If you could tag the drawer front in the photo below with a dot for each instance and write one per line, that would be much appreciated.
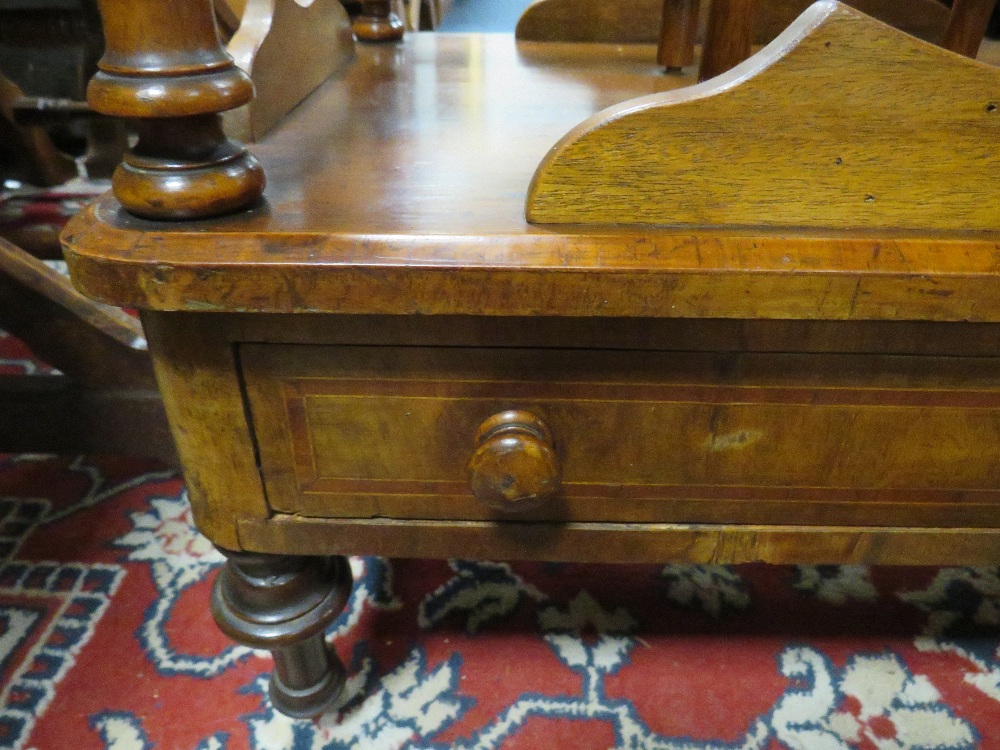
(639, 436)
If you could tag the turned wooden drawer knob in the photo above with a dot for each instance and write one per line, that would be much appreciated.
(515, 466)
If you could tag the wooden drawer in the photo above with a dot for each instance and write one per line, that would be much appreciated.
(387, 432)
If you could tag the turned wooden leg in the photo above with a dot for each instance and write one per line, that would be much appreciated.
(378, 22)
(284, 603)
(678, 30)
(967, 26)
(729, 36)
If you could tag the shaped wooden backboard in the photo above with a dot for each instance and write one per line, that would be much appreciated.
(228, 14)
(288, 48)
(841, 122)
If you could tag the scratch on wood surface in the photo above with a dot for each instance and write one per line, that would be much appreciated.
(854, 296)
(733, 440)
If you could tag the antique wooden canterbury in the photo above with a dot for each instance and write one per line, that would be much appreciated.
(540, 301)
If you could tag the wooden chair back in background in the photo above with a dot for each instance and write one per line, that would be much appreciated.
(729, 29)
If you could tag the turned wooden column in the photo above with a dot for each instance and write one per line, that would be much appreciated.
(378, 22)
(728, 37)
(284, 603)
(678, 31)
(164, 70)
(967, 26)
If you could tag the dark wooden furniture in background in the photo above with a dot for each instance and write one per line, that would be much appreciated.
(383, 351)
(427, 15)
(678, 34)
(378, 22)
(728, 36)
(732, 27)
(26, 151)
(106, 400)
(967, 24)
(637, 21)
(48, 52)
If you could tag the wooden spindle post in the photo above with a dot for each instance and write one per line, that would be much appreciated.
(284, 603)
(378, 22)
(729, 36)
(164, 69)
(967, 26)
(677, 34)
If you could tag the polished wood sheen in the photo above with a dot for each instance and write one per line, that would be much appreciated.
(678, 31)
(378, 22)
(172, 84)
(839, 433)
(285, 604)
(728, 36)
(641, 436)
(432, 219)
(514, 465)
(847, 91)
(386, 357)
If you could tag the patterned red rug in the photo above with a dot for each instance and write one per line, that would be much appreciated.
(106, 642)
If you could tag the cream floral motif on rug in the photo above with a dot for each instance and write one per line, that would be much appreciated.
(105, 637)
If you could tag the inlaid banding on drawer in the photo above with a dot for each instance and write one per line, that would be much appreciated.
(659, 492)
(641, 436)
(298, 388)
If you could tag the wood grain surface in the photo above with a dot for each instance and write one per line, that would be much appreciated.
(210, 364)
(678, 33)
(729, 36)
(641, 437)
(165, 70)
(415, 203)
(646, 543)
(399, 190)
(925, 19)
(916, 338)
(199, 381)
(514, 465)
(840, 123)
